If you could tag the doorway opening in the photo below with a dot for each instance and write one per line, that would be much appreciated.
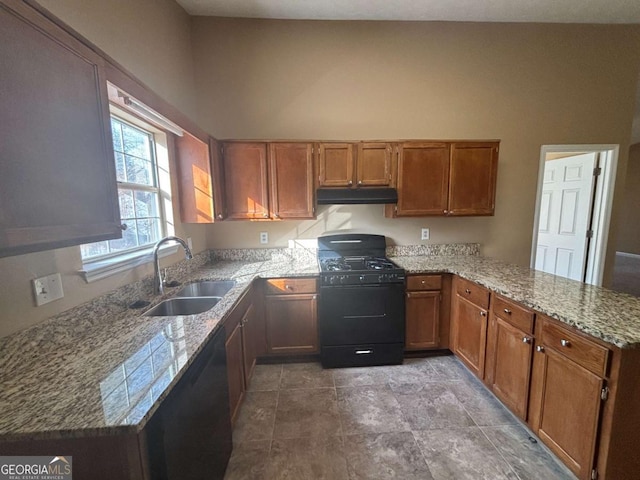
(573, 210)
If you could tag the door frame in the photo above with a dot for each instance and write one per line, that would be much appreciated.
(602, 204)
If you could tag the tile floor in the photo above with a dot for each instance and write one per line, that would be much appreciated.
(426, 419)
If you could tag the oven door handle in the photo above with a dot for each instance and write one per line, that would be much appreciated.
(365, 316)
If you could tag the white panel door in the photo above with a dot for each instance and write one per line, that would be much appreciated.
(565, 209)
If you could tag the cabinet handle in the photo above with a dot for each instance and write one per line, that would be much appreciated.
(364, 352)
(220, 216)
(540, 349)
(123, 227)
(277, 215)
(359, 182)
(450, 212)
(483, 314)
(423, 282)
(288, 287)
(467, 291)
(266, 215)
(565, 343)
(507, 311)
(526, 339)
(445, 211)
(408, 295)
(350, 182)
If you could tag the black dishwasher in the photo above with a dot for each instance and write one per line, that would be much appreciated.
(189, 436)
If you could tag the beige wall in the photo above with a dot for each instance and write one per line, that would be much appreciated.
(629, 225)
(152, 39)
(526, 84)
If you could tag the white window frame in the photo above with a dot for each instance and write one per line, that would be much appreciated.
(102, 266)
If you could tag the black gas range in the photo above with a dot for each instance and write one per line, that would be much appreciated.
(361, 307)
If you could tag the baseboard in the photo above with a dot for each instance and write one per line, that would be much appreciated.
(630, 255)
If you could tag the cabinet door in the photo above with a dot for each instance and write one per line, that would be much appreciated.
(250, 332)
(235, 370)
(423, 179)
(291, 324)
(217, 171)
(336, 164)
(509, 356)
(195, 180)
(472, 185)
(291, 180)
(245, 171)
(569, 410)
(422, 320)
(58, 181)
(373, 167)
(470, 334)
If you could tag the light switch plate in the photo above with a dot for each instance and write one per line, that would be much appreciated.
(425, 234)
(47, 289)
(264, 238)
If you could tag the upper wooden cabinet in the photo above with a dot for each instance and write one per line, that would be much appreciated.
(336, 164)
(199, 179)
(443, 178)
(245, 173)
(472, 185)
(423, 178)
(58, 181)
(291, 180)
(364, 164)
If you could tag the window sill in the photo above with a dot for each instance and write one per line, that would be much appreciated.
(92, 271)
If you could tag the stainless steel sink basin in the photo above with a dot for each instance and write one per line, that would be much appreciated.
(207, 288)
(183, 306)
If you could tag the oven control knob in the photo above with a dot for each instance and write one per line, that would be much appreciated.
(362, 278)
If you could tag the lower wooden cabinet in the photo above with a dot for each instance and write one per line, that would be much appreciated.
(291, 319)
(509, 354)
(567, 395)
(469, 320)
(422, 312)
(243, 331)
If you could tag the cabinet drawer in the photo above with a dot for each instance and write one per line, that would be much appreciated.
(517, 315)
(472, 292)
(424, 282)
(584, 352)
(284, 286)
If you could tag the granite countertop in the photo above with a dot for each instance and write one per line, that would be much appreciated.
(611, 316)
(102, 369)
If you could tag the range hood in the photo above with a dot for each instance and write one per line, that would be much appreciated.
(351, 196)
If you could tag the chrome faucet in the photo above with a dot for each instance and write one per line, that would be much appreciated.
(158, 281)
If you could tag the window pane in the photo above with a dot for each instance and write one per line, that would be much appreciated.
(148, 231)
(121, 174)
(146, 204)
(125, 198)
(93, 249)
(116, 133)
(136, 142)
(139, 171)
(129, 238)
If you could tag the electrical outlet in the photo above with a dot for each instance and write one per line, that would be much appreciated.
(264, 238)
(425, 234)
(47, 289)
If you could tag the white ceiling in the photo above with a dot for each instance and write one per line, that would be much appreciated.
(553, 11)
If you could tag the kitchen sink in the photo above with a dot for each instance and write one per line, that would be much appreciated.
(206, 288)
(183, 306)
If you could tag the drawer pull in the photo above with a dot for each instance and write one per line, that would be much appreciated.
(288, 287)
(526, 339)
(540, 348)
(507, 311)
(565, 343)
(422, 282)
(483, 314)
(364, 352)
(467, 291)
